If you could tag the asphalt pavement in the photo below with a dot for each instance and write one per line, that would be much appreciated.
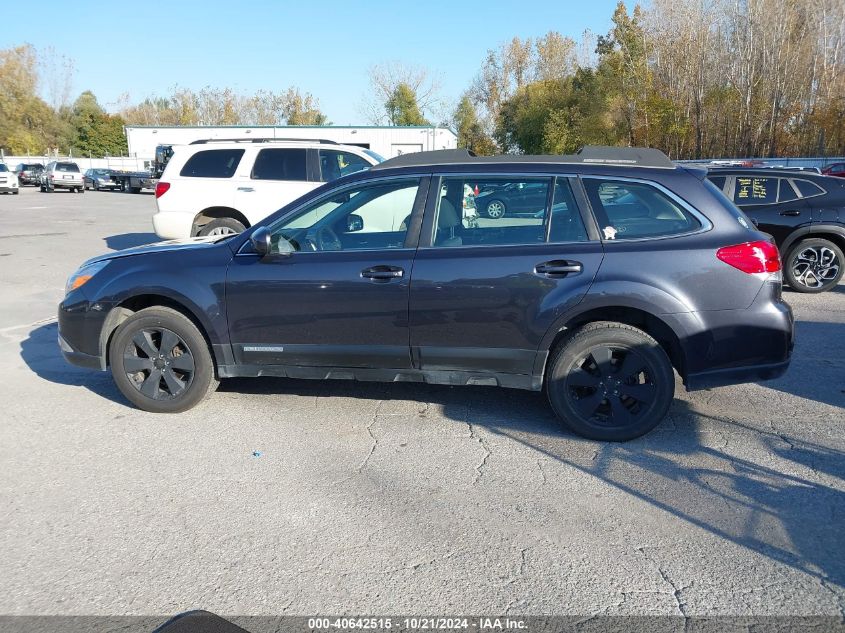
(300, 497)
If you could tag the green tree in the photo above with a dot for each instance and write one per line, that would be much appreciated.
(469, 129)
(95, 133)
(402, 108)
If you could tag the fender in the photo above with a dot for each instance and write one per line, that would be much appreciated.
(813, 229)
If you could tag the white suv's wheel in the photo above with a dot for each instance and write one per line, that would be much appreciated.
(222, 226)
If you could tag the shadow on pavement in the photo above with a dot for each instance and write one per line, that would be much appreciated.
(130, 240)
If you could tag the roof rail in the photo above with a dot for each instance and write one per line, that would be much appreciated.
(590, 154)
(323, 141)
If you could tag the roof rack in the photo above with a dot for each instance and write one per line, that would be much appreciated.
(204, 141)
(589, 155)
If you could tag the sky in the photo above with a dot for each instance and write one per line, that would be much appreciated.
(324, 48)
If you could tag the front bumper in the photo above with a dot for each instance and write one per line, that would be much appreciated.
(80, 329)
(8, 188)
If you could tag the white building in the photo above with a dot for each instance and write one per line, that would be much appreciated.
(388, 141)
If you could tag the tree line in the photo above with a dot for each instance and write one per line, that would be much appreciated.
(695, 78)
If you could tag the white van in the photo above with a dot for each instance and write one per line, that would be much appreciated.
(217, 187)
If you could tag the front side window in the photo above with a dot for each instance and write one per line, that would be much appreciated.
(491, 211)
(367, 217)
(335, 163)
(212, 163)
(631, 210)
(755, 190)
(280, 163)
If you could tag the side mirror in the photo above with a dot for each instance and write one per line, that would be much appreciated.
(260, 239)
(354, 223)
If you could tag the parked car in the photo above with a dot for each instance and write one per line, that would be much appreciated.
(99, 179)
(29, 173)
(62, 175)
(510, 198)
(8, 180)
(224, 186)
(803, 211)
(836, 169)
(376, 276)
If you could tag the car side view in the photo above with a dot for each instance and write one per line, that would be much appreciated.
(803, 211)
(626, 270)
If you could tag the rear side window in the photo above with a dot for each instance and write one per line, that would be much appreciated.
(785, 191)
(68, 167)
(631, 210)
(335, 163)
(755, 190)
(479, 211)
(808, 188)
(212, 163)
(280, 164)
(565, 219)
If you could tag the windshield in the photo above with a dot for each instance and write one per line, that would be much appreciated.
(378, 157)
(101, 172)
(3, 168)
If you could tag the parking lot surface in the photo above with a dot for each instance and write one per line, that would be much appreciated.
(299, 497)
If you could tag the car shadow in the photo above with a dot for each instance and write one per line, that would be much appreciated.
(130, 240)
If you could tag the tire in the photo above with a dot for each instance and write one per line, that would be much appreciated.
(814, 265)
(181, 384)
(43, 190)
(609, 381)
(495, 209)
(80, 189)
(222, 226)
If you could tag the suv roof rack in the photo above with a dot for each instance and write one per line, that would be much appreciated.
(590, 155)
(203, 141)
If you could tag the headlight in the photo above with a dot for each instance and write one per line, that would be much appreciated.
(84, 275)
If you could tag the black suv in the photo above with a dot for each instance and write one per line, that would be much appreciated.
(29, 173)
(803, 211)
(630, 266)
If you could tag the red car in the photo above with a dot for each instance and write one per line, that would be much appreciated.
(836, 169)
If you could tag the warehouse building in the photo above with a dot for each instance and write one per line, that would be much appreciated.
(389, 141)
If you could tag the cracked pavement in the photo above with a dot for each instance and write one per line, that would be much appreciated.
(398, 498)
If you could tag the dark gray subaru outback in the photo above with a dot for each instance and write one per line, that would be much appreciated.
(594, 276)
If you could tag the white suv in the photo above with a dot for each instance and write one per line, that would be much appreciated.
(217, 187)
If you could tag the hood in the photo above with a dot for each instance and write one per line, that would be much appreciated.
(189, 243)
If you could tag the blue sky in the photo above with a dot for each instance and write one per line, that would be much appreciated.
(324, 48)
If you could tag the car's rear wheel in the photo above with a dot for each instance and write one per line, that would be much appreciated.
(814, 265)
(495, 209)
(222, 226)
(161, 362)
(610, 381)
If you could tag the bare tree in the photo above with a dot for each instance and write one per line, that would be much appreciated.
(384, 81)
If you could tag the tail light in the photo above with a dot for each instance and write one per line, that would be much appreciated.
(161, 188)
(752, 257)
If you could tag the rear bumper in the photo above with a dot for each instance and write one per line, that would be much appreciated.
(171, 225)
(736, 375)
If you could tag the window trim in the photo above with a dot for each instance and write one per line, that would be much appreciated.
(427, 233)
(706, 224)
(411, 240)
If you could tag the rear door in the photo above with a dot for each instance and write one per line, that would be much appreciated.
(203, 181)
(484, 290)
(269, 178)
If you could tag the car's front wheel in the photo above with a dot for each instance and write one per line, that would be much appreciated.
(609, 381)
(814, 265)
(161, 362)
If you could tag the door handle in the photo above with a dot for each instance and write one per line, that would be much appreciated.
(558, 268)
(382, 273)
(790, 213)
(247, 189)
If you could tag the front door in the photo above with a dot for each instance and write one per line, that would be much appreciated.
(334, 290)
(486, 290)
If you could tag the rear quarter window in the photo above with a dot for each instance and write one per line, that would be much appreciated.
(212, 163)
(807, 188)
(634, 210)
